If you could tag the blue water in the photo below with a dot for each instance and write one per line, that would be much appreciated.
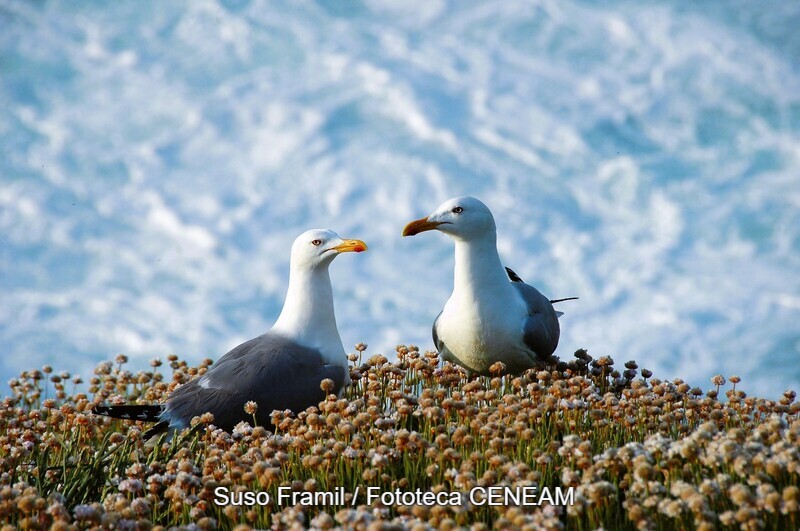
(158, 158)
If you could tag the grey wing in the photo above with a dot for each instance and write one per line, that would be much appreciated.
(272, 371)
(439, 344)
(540, 330)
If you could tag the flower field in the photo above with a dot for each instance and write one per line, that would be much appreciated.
(640, 453)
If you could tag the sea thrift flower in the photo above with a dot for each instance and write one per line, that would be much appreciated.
(327, 385)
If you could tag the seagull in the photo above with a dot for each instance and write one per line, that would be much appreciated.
(281, 369)
(491, 315)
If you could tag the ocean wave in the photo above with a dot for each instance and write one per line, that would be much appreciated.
(158, 160)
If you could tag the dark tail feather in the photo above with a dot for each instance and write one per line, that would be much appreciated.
(562, 300)
(158, 429)
(131, 412)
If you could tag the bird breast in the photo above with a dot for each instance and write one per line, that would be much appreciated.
(481, 332)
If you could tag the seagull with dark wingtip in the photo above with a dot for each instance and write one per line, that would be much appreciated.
(492, 315)
(281, 369)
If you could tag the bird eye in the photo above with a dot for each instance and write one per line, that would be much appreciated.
(316, 242)
(457, 210)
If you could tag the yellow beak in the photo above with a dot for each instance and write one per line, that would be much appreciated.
(420, 225)
(350, 246)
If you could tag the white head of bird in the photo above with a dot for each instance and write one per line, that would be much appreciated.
(307, 316)
(462, 218)
(318, 247)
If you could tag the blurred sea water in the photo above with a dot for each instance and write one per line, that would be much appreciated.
(158, 158)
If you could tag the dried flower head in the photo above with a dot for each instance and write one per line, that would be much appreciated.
(250, 407)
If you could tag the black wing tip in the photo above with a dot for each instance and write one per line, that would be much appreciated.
(553, 301)
(109, 411)
(158, 429)
(512, 276)
(146, 413)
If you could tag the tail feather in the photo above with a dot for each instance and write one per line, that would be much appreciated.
(145, 413)
(513, 277)
(156, 430)
(553, 301)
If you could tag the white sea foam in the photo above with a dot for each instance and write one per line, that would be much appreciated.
(158, 162)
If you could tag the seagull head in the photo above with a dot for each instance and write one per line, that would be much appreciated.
(463, 218)
(318, 247)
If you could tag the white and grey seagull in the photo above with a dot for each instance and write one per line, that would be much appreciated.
(281, 369)
(491, 315)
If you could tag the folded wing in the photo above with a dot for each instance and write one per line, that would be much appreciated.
(273, 371)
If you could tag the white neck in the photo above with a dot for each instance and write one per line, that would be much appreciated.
(478, 269)
(307, 316)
